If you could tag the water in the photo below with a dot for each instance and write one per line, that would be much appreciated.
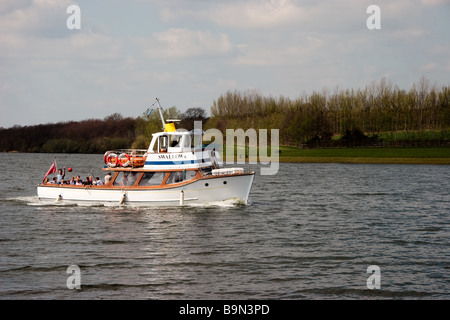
(310, 232)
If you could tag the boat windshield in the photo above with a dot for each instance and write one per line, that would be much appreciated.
(152, 178)
(180, 176)
(125, 179)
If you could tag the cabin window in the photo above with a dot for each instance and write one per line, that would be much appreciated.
(175, 141)
(187, 142)
(180, 176)
(154, 146)
(163, 143)
(152, 178)
(196, 140)
(125, 179)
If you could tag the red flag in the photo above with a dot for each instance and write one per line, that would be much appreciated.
(51, 170)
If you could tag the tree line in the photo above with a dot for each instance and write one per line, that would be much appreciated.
(87, 136)
(94, 135)
(362, 115)
(381, 112)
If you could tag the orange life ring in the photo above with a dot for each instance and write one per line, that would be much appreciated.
(105, 157)
(109, 158)
(123, 164)
(137, 161)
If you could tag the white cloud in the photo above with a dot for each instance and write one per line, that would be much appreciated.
(182, 43)
(41, 18)
(11, 5)
(435, 2)
(429, 66)
(95, 47)
(36, 31)
(409, 34)
(280, 52)
(250, 14)
(257, 14)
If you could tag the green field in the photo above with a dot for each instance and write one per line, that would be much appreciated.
(366, 155)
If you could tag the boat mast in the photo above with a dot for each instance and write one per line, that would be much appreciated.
(160, 113)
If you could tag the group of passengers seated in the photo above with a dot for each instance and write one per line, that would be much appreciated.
(77, 181)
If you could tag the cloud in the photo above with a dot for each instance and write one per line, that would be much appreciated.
(435, 2)
(38, 18)
(250, 14)
(7, 6)
(266, 15)
(281, 51)
(256, 14)
(36, 30)
(183, 43)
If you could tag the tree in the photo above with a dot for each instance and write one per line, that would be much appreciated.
(191, 115)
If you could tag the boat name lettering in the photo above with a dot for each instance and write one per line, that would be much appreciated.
(171, 156)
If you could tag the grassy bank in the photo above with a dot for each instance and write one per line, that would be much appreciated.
(366, 155)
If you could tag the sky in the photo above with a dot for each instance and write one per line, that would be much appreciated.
(189, 52)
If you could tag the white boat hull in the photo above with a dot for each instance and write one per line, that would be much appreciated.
(234, 188)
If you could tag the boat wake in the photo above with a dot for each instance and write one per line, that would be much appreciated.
(35, 201)
(235, 202)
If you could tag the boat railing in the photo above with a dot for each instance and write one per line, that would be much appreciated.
(131, 152)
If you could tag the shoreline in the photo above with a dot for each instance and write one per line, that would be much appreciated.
(365, 160)
(365, 155)
(425, 156)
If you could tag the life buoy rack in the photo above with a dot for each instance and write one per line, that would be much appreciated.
(105, 157)
(124, 159)
(120, 162)
(109, 158)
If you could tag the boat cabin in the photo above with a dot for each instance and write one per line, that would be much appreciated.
(171, 149)
(175, 142)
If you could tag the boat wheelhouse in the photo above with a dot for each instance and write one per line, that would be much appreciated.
(176, 169)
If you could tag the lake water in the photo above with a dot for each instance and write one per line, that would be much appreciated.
(310, 232)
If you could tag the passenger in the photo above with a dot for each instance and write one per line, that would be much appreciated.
(108, 177)
(78, 182)
(131, 179)
(60, 175)
(54, 181)
(87, 182)
(175, 143)
(62, 181)
(72, 181)
(98, 182)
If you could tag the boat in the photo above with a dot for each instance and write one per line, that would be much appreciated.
(176, 169)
